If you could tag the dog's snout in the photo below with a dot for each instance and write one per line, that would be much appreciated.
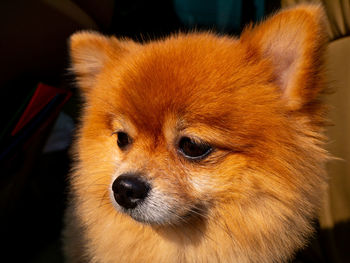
(129, 190)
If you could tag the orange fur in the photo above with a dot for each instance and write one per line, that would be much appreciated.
(254, 99)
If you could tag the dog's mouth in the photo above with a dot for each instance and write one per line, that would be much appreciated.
(166, 217)
(198, 212)
(161, 209)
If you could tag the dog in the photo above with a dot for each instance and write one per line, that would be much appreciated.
(199, 147)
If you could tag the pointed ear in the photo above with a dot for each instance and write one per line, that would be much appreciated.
(294, 42)
(90, 51)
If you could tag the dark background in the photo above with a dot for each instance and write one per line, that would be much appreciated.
(33, 48)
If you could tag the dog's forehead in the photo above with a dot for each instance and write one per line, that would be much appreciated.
(171, 74)
(193, 79)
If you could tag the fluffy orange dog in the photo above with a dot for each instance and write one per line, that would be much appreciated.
(199, 148)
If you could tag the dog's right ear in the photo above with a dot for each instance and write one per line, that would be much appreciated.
(90, 52)
(294, 42)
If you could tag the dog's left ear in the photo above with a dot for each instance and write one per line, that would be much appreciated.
(90, 52)
(294, 42)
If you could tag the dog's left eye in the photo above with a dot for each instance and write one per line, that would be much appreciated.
(123, 139)
(194, 150)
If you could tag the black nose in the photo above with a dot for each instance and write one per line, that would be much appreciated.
(129, 190)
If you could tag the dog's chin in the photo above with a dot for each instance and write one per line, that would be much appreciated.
(153, 221)
(149, 215)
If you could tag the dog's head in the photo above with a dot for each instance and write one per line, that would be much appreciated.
(205, 126)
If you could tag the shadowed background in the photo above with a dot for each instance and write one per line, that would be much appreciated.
(33, 49)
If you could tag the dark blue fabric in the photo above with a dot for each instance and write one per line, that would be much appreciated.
(226, 15)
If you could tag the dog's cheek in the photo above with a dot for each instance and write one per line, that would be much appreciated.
(222, 181)
(98, 159)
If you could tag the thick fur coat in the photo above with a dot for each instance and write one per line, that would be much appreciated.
(253, 101)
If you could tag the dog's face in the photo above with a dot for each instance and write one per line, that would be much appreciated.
(185, 126)
(181, 126)
(205, 127)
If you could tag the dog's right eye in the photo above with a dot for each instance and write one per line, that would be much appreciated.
(123, 139)
(194, 150)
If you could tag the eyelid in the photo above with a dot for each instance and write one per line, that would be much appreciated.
(195, 139)
(116, 132)
(199, 158)
(199, 143)
(192, 137)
